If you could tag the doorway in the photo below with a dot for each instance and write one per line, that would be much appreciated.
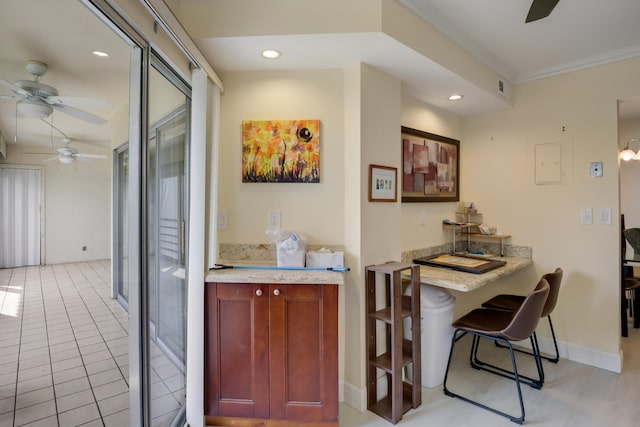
(20, 216)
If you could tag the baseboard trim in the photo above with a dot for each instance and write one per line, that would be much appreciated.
(576, 353)
(353, 396)
(357, 397)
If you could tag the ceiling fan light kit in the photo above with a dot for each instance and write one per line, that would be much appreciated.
(34, 109)
(38, 100)
(628, 154)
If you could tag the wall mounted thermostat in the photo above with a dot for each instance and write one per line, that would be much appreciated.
(595, 170)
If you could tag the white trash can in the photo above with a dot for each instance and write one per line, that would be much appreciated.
(436, 314)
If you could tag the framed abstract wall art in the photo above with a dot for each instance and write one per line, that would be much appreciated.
(430, 167)
(281, 151)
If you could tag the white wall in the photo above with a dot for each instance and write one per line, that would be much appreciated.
(578, 110)
(315, 210)
(77, 204)
(425, 117)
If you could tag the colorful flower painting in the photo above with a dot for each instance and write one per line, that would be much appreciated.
(281, 151)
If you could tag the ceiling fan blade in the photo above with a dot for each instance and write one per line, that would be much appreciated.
(79, 101)
(15, 88)
(80, 114)
(50, 159)
(540, 9)
(91, 156)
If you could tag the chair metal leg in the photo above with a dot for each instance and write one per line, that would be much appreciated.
(485, 366)
(554, 359)
(555, 344)
(516, 377)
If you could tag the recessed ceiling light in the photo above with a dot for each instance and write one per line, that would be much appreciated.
(271, 54)
(100, 54)
(455, 97)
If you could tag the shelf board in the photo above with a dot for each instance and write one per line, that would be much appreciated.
(383, 407)
(459, 226)
(385, 314)
(489, 236)
(384, 360)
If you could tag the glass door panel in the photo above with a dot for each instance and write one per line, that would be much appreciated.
(167, 202)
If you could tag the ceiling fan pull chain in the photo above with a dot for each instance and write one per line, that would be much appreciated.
(15, 137)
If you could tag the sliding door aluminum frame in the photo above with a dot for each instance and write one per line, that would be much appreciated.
(141, 56)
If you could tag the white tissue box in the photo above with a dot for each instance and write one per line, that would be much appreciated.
(290, 258)
(325, 259)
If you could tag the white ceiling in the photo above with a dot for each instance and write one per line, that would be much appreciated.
(578, 33)
(61, 33)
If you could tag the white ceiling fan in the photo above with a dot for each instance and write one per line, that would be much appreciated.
(38, 100)
(68, 154)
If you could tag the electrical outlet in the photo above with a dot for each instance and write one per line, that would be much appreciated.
(273, 219)
(222, 220)
(423, 216)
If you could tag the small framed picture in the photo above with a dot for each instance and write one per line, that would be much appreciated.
(382, 183)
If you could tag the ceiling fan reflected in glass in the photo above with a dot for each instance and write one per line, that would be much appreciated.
(540, 9)
(38, 100)
(68, 154)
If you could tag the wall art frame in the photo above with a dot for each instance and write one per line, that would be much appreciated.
(430, 167)
(383, 184)
(281, 151)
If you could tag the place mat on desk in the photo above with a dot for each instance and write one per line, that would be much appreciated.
(466, 263)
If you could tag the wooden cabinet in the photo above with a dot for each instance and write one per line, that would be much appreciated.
(271, 354)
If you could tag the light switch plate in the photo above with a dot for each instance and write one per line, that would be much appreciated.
(222, 220)
(586, 216)
(595, 169)
(604, 216)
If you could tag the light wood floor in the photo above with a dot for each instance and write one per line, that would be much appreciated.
(573, 395)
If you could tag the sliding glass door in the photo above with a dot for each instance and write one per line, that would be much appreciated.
(167, 200)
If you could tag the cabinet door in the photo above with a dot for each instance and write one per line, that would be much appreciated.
(237, 350)
(304, 352)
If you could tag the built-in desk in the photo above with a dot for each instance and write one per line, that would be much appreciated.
(467, 282)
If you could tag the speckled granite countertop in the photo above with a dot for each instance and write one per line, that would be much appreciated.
(466, 282)
(298, 277)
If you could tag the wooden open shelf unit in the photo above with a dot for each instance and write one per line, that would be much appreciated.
(392, 351)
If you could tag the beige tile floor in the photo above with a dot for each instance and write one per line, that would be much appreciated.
(64, 362)
(64, 351)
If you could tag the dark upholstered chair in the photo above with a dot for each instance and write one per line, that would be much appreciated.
(502, 326)
(633, 237)
(512, 302)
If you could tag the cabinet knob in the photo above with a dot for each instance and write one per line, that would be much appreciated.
(259, 292)
(276, 292)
